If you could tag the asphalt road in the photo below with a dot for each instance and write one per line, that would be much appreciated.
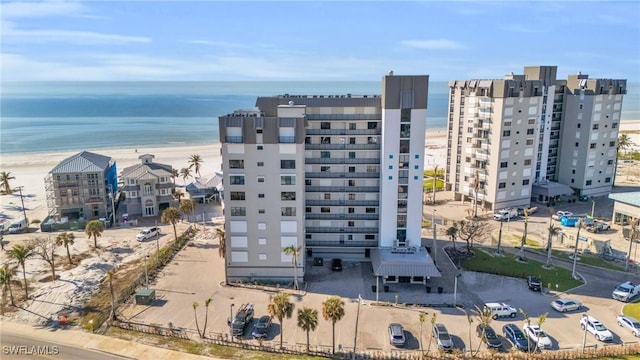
(16, 346)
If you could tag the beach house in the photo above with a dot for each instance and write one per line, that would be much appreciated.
(80, 187)
(148, 187)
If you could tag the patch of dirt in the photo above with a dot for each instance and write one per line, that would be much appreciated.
(458, 255)
(48, 278)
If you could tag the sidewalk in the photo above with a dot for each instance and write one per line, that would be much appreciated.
(105, 344)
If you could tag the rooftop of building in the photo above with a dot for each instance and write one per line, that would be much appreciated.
(82, 162)
(631, 198)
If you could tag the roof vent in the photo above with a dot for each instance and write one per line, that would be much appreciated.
(290, 102)
(391, 73)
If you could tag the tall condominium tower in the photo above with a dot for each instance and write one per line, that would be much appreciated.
(330, 175)
(532, 137)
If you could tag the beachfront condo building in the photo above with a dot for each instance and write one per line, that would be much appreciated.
(532, 137)
(148, 187)
(80, 187)
(332, 176)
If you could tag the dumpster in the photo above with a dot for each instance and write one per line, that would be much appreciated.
(145, 296)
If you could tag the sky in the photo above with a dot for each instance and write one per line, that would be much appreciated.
(307, 40)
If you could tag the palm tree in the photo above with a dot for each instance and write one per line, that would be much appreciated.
(333, 310)
(206, 315)
(280, 307)
(499, 250)
(221, 235)
(422, 317)
(307, 321)
(185, 173)
(624, 142)
(433, 322)
(195, 314)
(178, 194)
(21, 253)
(452, 233)
(187, 207)
(174, 174)
(294, 252)
(110, 275)
(470, 321)
(521, 254)
(94, 228)
(194, 162)
(66, 239)
(6, 278)
(553, 230)
(5, 176)
(541, 319)
(484, 315)
(171, 216)
(435, 178)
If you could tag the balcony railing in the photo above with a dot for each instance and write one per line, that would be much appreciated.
(342, 203)
(233, 139)
(342, 161)
(343, 132)
(343, 230)
(346, 175)
(344, 117)
(341, 243)
(286, 139)
(317, 216)
(342, 146)
(328, 189)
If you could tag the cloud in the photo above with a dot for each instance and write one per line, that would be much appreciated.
(527, 29)
(224, 44)
(41, 9)
(437, 44)
(10, 34)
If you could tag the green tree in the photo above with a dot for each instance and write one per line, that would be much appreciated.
(280, 307)
(194, 163)
(195, 314)
(171, 216)
(174, 174)
(294, 252)
(65, 239)
(452, 233)
(206, 316)
(221, 235)
(21, 253)
(94, 228)
(484, 316)
(185, 173)
(5, 177)
(553, 231)
(422, 316)
(307, 321)
(178, 194)
(186, 207)
(624, 143)
(333, 310)
(6, 279)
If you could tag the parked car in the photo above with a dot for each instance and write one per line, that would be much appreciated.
(559, 214)
(564, 305)
(336, 264)
(537, 336)
(261, 329)
(443, 339)
(626, 291)
(511, 332)
(534, 283)
(149, 233)
(630, 324)
(592, 325)
(396, 334)
(501, 310)
(488, 336)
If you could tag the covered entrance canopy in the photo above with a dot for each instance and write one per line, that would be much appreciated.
(394, 263)
(550, 189)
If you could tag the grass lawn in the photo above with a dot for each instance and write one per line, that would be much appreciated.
(483, 262)
(584, 259)
(428, 184)
(632, 310)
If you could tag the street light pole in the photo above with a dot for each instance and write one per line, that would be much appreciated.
(593, 207)
(113, 205)
(575, 251)
(24, 211)
(455, 290)
(435, 244)
(584, 339)
(146, 273)
(355, 338)
(231, 322)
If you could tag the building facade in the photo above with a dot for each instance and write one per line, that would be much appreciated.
(532, 137)
(148, 187)
(81, 187)
(332, 175)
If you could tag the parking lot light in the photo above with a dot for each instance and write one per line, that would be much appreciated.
(575, 251)
(231, 322)
(584, 340)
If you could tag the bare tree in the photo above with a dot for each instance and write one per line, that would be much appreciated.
(468, 230)
(45, 248)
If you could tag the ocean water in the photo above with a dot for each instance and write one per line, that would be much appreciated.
(40, 117)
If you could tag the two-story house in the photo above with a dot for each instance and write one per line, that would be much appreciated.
(148, 187)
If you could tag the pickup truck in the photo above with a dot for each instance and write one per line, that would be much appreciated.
(505, 214)
(626, 291)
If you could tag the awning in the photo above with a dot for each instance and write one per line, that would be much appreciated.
(551, 189)
(409, 261)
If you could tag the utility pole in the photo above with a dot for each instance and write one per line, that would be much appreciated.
(355, 338)
(24, 211)
(113, 206)
(435, 244)
(575, 251)
(157, 244)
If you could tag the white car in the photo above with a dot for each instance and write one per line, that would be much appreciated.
(537, 336)
(630, 324)
(558, 215)
(149, 233)
(564, 305)
(592, 325)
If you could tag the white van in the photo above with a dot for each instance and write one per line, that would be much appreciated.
(19, 226)
(499, 310)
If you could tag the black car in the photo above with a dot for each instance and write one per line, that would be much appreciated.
(516, 336)
(336, 264)
(488, 336)
(261, 328)
(534, 283)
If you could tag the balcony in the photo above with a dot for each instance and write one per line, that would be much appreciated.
(233, 139)
(343, 132)
(328, 189)
(342, 203)
(342, 161)
(343, 230)
(342, 146)
(345, 175)
(344, 117)
(482, 155)
(324, 216)
(341, 243)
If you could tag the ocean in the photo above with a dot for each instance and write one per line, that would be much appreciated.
(37, 117)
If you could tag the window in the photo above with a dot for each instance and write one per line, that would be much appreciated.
(260, 196)
(352, 140)
(325, 140)
(370, 210)
(325, 210)
(352, 126)
(288, 195)
(307, 182)
(610, 162)
(607, 180)
(236, 164)
(527, 161)
(612, 143)
(577, 144)
(351, 196)
(531, 121)
(351, 223)
(530, 131)
(595, 126)
(507, 123)
(287, 164)
(502, 185)
(325, 125)
(506, 133)
(259, 147)
(588, 182)
(580, 106)
(405, 130)
(529, 141)
(258, 131)
(372, 169)
(579, 125)
(287, 179)
(288, 211)
(369, 237)
(351, 210)
(327, 196)
(237, 195)
(372, 125)
(352, 183)
(307, 209)
(503, 164)
(405, 115)
(325, 168)
(525, 182)
(236, 179)
(261, 211)
(614, 125)
(260, 179)
(238, 211)
(260, 163)
(592, 146)
(352, 169)
(325, 154)
(404, 146)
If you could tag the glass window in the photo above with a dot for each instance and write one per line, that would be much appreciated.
(371, 125)
(404, 146)
(238, 211)
(405, 130)
(325, 154)
(287, 195)
(236, 179)
(260, 163)
(260, 179)
(506, 133)
(237, 195)
(288, 211)
(405, 115)
(287, 164)
(236, 164)
(287, 179)
(325, 209)
(325, 125)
